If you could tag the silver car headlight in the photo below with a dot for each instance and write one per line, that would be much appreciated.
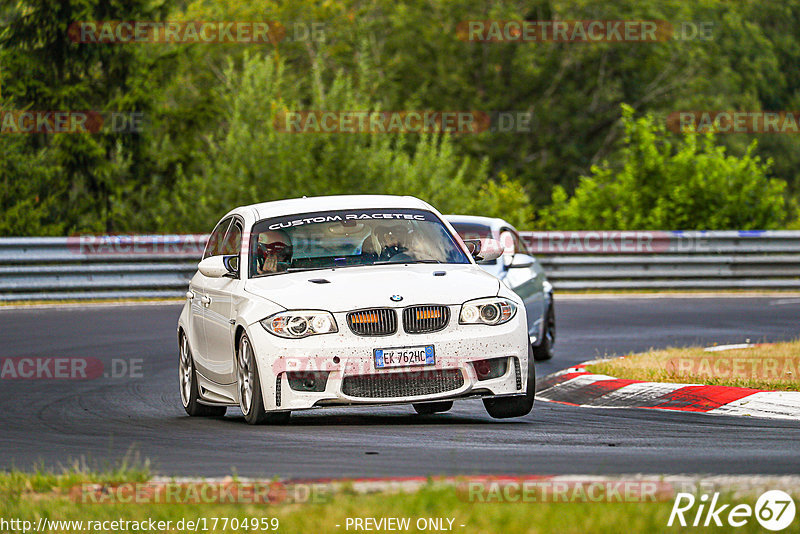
(297, 324)
(492, 311)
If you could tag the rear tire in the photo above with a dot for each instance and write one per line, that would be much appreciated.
(517, 406)
(544, 351)
(249, 386)
(190, 393)
(428, 408)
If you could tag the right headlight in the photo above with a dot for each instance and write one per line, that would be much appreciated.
(491, 311)
(300, 323)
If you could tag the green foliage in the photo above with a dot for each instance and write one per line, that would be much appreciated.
(660, 183)
(249, 160)
(24, 202)
(484, 510)
(503, 198)
(80, 181)
(209, 118)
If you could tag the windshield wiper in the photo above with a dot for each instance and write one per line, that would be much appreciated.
(382, 262)
(389, 262)
(301, 269)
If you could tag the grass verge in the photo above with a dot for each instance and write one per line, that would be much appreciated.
(770, 366)
(30, 497)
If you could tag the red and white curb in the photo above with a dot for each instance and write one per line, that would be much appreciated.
(578, 387)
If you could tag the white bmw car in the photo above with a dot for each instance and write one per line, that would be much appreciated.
(349, 300)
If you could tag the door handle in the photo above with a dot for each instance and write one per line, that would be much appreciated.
(205, 299)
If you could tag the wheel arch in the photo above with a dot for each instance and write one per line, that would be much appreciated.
(182, 333)
(237, 336)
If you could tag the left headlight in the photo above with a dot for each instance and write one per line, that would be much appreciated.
(300, 323)
(491, 311)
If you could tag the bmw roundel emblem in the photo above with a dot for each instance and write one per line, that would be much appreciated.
(395, 298)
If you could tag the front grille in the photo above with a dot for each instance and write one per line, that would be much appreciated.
(406, 384)
(423, 319)
(373, 322)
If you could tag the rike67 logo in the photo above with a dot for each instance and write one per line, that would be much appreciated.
(774, 510)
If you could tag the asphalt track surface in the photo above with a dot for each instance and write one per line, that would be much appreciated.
(98, 422)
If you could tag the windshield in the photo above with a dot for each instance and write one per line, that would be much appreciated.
(350, 238)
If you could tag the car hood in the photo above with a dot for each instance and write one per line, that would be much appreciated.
(372, 286)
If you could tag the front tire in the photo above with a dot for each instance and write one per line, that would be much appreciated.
(517, 406)
(249, 385)
(190, 394)
(429, 408)
(544, 351)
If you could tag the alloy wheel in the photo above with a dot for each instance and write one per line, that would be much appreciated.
(245, 376)
(185, 371)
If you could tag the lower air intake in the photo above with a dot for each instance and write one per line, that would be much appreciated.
(407, 384)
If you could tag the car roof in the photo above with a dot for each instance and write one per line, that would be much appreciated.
(492, 222)
(292, 206)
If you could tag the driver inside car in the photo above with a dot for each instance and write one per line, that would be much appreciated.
(395, 242)
(274, 253)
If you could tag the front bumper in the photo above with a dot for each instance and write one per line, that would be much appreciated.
(346, 355)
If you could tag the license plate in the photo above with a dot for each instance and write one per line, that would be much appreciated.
(405, 356)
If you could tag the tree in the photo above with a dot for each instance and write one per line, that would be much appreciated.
(250, 160)
(660, 182)
(44, 70)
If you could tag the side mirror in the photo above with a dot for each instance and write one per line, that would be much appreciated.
(219, 266)
(484, 249)
(231, 264)
(473, 246)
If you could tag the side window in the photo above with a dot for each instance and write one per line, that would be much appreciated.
(214, 245)
(233, 241)
(232, 246)
(509, 243)
(512, 242)
(519, 244)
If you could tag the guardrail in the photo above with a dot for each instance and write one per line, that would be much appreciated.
(669, 260)
(100, 267)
